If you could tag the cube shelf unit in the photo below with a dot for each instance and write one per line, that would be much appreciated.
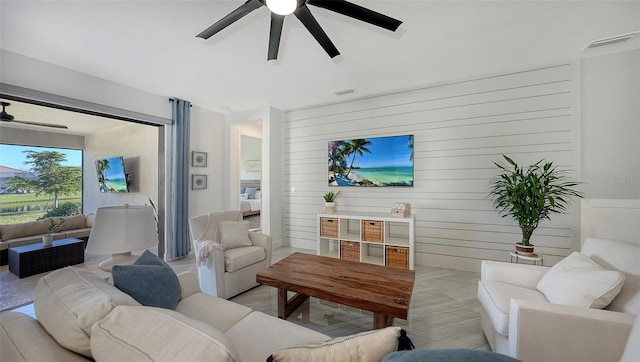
(368, 238)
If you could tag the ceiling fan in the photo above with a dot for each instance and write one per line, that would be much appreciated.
(280, 8)
(6, 117)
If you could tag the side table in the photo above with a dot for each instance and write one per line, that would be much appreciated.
(33, 259)
(535, 258)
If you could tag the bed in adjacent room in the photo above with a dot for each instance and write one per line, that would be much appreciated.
(250, 197)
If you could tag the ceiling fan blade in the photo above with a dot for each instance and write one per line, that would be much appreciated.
(307, 19)
(233, 16)
(42, 124)
(358, 12)
(274, 35)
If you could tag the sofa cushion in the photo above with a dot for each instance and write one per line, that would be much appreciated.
(69, 301)
(578, 280)
(13, 231)
(150, 281)
(238, 258)
(72, 222)
(22, 338)
(495, 297)
(217, 312)
(623, 257)
(268, 334)
(365, 346)
(234, 234)
(155, 334)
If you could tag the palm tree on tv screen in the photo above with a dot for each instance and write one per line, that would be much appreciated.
(357, 147)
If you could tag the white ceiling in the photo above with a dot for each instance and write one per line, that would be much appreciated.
(151, 45)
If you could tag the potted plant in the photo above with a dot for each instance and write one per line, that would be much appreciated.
(530, 195)
(47, 240)
(330, 201)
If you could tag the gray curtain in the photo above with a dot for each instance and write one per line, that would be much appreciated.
(181, 115)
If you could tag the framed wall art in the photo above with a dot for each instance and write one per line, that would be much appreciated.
(198, 159)
(198, 182)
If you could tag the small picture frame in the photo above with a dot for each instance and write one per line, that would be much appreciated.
(253, 166)
(198, 182)
(198, 159)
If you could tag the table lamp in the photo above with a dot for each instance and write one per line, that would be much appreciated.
(119, 230)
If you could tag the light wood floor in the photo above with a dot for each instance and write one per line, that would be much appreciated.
(444, 311)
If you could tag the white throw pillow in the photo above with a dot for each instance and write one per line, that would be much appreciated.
(234, 234)
(70, 300)
(365, 346)
(157, 334)
(578, 280)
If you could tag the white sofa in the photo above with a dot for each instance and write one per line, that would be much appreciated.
(81, 317)
(519, 321)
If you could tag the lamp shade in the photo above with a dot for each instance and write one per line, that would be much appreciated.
(122, 229)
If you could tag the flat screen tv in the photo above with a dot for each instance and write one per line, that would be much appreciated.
(111, 175)
(375, 161)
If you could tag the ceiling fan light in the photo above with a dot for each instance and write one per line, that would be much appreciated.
(282, 7)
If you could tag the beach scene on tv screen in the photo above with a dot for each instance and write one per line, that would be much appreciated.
(375, 161)
(111, 176)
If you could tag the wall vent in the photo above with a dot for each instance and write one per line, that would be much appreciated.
(611, 40)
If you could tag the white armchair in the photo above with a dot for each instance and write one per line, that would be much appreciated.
(226, 273)
(519, 321)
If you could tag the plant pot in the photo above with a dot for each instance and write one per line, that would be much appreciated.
(330, 207)
(47, 240)
(524, 249)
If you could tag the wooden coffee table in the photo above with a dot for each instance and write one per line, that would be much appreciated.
(382, 290)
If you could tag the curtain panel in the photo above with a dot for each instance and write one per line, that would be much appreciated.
(180, 122)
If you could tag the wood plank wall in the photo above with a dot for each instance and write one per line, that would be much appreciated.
(460, 129)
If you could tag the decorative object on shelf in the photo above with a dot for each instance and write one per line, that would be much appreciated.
(253, 166)
(119, 230)
(400, 209)
(47, 240)
(198, 182)
(531, 195)
(198, 159)
(330, 201)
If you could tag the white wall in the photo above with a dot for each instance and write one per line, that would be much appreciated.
(138, 145)
(208, 135)
(18, 136)
(250, 150)
(611, 125)
(460, 129)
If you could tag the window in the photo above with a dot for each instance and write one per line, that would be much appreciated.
(39, 181)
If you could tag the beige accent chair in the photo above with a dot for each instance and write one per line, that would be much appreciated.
(519, 321)
(226, 273)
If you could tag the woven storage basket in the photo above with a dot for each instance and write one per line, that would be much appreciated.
(328, 227)
(349, 250)
(397, 257)
(372, 230)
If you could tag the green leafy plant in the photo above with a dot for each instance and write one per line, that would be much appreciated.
(55, 225)
(331, 196)
(532, 194)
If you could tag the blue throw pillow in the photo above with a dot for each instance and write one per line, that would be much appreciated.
(149, 280)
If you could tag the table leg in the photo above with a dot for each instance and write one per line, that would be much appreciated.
(287, 306)
(381, 320)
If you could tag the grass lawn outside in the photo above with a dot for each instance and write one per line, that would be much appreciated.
(17, 200)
